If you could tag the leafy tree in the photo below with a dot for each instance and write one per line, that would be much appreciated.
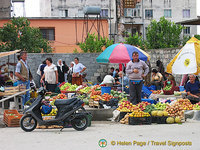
(17, 34)
(163, 34)
(197, 36)
(135, 40)
(94, 45)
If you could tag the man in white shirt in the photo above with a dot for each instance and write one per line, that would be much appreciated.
(78, 69)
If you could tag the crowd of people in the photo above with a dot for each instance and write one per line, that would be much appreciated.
(129, 78)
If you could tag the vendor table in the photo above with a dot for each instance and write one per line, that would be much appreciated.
(17, 99)
(155, 96)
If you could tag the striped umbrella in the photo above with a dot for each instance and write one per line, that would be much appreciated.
(121, 53)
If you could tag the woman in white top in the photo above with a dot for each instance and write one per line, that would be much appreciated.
(50, 75)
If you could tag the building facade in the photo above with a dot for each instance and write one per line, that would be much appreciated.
(75, 8)
(137, 19)
(5, 8)
(62, 33)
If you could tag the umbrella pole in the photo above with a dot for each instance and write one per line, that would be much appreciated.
(122, 78)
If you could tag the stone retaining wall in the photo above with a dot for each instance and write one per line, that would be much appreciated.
(94, 69)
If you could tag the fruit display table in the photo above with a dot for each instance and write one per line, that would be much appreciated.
(155, 96)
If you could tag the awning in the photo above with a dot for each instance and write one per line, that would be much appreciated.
(3, 54)
(190, 22)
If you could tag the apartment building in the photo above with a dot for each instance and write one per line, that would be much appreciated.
(5, 8)
(137, 19)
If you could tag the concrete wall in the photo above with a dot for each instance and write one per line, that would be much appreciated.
(5, 7)
(89, 60)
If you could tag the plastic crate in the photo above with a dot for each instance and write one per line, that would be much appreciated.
(149, 101)
(12, 118)
(161, 120)
(139, 120)
(105, 89)
(145, 91)
(154, 119)
(181, 88)
(152, 87)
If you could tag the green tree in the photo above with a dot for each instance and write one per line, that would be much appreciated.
(17, 34)
(94, 45)
(135, 40)
(197, 36)
(163, 34)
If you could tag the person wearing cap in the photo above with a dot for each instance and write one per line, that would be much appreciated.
(192, 89)
(136, 70)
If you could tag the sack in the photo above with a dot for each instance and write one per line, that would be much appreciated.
(46, 109)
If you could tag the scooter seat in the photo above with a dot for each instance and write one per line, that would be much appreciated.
(65, 102)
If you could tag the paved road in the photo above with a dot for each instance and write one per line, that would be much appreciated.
(134, 136)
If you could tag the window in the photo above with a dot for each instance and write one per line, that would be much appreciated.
(66, 13)
(104, 13)
(148, 14)
(48, 33)
(167, 3)
(186, 13)
(168, 13)
(186, 30)
(132, 12)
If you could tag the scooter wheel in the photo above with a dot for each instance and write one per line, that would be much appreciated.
(80, 123)
(28, 123)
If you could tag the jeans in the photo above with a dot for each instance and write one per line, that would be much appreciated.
(51, 87)
(135, 91)
(25, 97)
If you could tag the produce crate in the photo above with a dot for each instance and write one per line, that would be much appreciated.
(139, 120)
(154, 119)
(149, 101)
(122, 115)
(161, 120)
(12, 118)
(93, 103)
(145, 91)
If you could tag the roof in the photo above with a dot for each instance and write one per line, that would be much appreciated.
(3, 54)
(91, 17)
(190, 22)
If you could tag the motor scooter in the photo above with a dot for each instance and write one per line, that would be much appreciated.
(68, 113)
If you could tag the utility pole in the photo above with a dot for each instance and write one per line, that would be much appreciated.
(110, 18)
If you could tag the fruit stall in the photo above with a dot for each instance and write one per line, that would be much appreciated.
(146, 112)
(160, 113)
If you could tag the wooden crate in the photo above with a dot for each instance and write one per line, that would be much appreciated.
(93, 103)
(13, 90)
